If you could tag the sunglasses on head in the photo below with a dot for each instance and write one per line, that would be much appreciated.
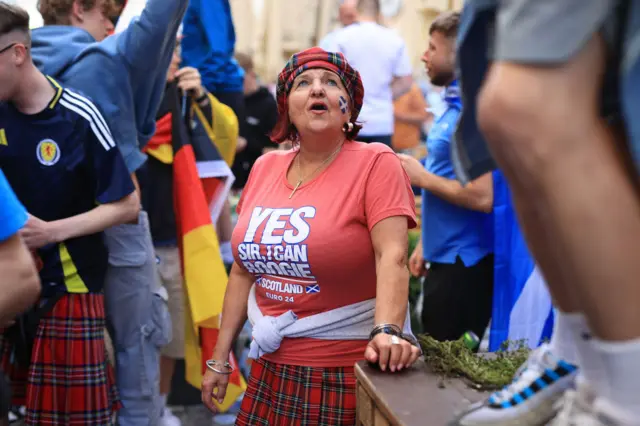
(4, 49)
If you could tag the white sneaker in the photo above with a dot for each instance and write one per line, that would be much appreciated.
(169, 419)
(16, 414)
(529, 400)
(583, 408)
(609, 414)
(575, 407)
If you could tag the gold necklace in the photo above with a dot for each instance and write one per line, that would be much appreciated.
(302, 178)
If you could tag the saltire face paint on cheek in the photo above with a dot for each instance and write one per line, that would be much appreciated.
(343, 104)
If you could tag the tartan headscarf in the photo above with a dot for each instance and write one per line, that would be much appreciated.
(316, 57)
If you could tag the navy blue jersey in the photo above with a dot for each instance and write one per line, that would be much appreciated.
(63, 162)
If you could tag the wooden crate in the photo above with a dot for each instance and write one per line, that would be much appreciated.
(411, 398)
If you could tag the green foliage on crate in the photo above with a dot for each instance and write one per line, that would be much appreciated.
(453, 359)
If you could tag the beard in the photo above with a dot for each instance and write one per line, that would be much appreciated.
(442, 79)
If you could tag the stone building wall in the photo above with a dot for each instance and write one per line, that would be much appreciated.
(272, 30)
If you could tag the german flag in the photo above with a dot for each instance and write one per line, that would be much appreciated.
(201, 184)
(201, 156)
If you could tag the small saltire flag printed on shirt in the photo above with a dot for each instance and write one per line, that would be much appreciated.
(313, 288)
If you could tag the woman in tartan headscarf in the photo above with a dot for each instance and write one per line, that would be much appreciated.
(320, 257)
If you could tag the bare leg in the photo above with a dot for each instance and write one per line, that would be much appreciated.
(577, 205)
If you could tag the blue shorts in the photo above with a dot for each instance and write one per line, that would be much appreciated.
(544, 32)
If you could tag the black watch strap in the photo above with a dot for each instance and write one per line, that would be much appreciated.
(201, 99)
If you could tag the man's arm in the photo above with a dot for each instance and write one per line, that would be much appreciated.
(151, 38)
(97, 220)
(38, 233)
(415, 117)
(401, 85)
(402, 72)
(477, 195)
(19, 281)
(416, 114)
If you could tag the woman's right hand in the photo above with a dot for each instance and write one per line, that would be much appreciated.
(214, 386)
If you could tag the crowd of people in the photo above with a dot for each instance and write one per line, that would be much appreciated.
(94, 115)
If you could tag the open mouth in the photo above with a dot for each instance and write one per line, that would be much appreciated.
(319, 106)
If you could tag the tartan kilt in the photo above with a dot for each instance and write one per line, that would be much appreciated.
(291, 395)
(69, 380)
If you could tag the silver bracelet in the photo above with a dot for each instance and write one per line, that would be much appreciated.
(211, 365)
(386, 325)
(385, 328)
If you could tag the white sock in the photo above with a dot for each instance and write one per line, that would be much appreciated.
(226, 252)
(574, 343)
(566, 328)
(621, 384)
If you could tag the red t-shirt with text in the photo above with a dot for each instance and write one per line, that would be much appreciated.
(313, 252)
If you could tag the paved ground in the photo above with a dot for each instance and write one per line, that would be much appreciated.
(198, 415)
(190, 416)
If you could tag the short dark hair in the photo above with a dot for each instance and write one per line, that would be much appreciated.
(446, 23)
(13, 18)
(58, 12)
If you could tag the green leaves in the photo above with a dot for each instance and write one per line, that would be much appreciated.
(489, 371)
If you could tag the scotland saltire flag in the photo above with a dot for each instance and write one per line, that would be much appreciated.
(313, 288)
(521, 302)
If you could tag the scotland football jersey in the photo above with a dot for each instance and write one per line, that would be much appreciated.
(62, 162)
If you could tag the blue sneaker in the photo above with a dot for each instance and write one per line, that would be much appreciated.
(530, 399)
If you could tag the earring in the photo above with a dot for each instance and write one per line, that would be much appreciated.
(347, 127)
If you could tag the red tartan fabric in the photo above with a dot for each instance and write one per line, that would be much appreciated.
(70, 381)
(279, 395)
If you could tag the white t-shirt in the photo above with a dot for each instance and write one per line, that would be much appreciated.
(379, 54)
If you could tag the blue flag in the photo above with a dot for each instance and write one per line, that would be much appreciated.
(521, 301)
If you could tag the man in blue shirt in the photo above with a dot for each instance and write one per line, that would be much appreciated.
(456, 229)
(125, 75)
(60, 158)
